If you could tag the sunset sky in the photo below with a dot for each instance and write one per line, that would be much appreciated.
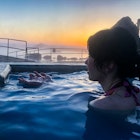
(62, 22)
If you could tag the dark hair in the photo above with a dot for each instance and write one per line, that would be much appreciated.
(116, 45)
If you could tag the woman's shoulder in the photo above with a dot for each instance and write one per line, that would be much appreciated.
(102, 102)
(114, 102)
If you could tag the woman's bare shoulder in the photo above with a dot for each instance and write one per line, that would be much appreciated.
(102, 103)
(113, 103)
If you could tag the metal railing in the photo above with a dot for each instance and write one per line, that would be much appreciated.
(11, 46)
(63, 54)
(20, 49)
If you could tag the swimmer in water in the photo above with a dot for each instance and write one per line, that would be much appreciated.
(35, 80)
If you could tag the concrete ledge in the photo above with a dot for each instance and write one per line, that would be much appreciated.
(5, 69)
(62, 68)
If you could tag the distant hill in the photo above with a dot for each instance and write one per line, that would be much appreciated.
(12, 59)
(42, 46)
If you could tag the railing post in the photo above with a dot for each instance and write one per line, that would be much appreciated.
(26, 51)
(82, 54)
(7, 48)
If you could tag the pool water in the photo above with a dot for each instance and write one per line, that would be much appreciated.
(56, 110)
(53, 111)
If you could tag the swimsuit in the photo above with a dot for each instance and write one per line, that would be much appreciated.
(130, 90)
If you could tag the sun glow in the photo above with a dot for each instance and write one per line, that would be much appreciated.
(67, 23)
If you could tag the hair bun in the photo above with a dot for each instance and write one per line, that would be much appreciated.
(127, 24)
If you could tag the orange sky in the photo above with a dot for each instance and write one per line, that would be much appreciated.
(61, 22)
(74, 35)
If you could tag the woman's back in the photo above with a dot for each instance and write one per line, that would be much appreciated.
(109, 125)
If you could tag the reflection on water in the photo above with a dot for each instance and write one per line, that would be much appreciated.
(54, 111)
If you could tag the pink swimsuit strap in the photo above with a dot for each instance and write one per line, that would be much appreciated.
(130, 90)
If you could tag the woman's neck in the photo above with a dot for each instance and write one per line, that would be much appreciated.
(108, 83)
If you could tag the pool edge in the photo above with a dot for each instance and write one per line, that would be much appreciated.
(63, 68)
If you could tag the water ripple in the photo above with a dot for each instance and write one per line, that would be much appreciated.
(52, 111)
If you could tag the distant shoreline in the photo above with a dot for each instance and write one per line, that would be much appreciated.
(12, 59)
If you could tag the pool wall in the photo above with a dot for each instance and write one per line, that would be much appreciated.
(62, 68)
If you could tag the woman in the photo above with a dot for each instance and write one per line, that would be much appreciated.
(113, 58)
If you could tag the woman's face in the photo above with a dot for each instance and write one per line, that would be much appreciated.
(94, 73)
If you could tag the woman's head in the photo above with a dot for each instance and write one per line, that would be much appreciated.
(115, 45)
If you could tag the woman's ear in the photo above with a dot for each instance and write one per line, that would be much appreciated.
(108, 67)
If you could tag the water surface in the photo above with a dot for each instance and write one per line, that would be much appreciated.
(54, 110)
